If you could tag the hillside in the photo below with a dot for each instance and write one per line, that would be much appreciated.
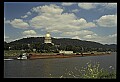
(62, 42)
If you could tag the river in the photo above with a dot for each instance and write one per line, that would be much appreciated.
(56, 67)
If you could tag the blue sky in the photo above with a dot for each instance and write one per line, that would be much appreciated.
(85, 21)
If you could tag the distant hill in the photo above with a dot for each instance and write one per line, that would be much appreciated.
(62, 42)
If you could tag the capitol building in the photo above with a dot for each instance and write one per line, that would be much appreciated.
(47, 38)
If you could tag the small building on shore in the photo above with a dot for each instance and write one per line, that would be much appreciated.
(66, 52)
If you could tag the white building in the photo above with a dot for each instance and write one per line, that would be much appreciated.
(66, 52)
(48, 38)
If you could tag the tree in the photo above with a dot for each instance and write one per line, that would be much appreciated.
(69, 48)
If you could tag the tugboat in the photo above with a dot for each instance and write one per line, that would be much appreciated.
(22, 56)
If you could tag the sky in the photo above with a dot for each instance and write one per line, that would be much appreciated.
(84, 21)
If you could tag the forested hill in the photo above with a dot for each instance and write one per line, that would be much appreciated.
(63, 42)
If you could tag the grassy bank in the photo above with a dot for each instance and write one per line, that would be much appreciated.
(11, 52)
(17, 52)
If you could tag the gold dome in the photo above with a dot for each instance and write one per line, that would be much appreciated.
(47, 35)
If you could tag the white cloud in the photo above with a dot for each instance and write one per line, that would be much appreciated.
(52, 9)
(6, 21)
(107, 21)
(63, 22)
(52, 19)
(6, 37)
(25, 16)
(110, 39)
(87, 6)
(76, 37)
(25, 36)
(87, 35)
(113, 35)
(55, 31)
(19, 23)
(75, 10)
(29, 32)
(29, 13)
(77, 33)
(91, 36)
(67, 4)
(111, 5)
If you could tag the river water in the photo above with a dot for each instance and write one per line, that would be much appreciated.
(47, 68)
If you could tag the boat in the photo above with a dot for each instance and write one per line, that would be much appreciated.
(22, 56)
(8, 59)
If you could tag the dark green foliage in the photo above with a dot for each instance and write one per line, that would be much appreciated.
(63, 44)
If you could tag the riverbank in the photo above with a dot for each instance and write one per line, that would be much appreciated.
(38, 56)
(14, 55)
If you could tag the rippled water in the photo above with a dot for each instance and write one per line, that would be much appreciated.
(44, 68)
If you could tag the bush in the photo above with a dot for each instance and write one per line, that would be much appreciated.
(89, 72)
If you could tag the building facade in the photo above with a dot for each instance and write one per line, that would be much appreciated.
(66, 52)
(47, 38)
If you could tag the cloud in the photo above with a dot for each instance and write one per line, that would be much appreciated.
(19, 23)
(113, 35)
(86, 6)
(76, 37)
(67, 4)
(91, 36)
(111, 5)
(86, 35)
(77, 33)
(53, 18)
(56, 31)
(6, 21)
(63, 22)
(110, 39)
(25, 16)
(75, 11)
(107, 21)
(6, 37)
(52, 9)
(29, 13)
(29, 32)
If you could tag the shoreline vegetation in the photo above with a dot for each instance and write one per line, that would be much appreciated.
(89, 71)
(13, 54)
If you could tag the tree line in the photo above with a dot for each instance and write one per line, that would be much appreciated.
(59, 44)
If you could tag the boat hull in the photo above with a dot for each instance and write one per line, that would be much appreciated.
(22, 58)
